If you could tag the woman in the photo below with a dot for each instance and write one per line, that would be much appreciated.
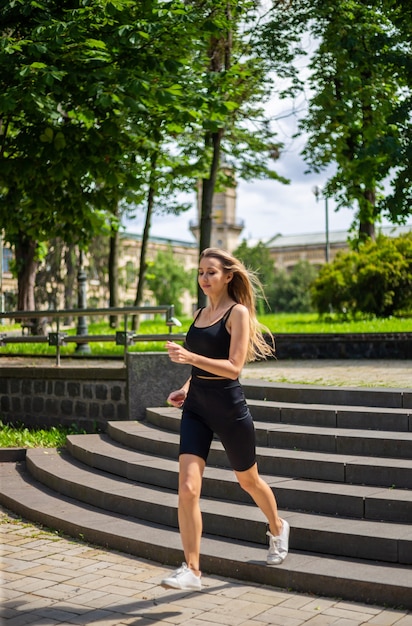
(223, 336)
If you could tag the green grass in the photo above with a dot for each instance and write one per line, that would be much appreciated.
(312, 323)
(23, 437)
(277, 323)
(97, 348)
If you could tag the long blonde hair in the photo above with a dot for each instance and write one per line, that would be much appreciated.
(243, 289)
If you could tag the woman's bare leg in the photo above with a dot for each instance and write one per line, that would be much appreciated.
(191, 470)
(262, 494)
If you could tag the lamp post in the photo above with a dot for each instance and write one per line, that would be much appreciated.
(82, 348)
(318, 191)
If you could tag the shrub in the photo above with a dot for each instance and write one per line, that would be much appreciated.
(290, 292)
(376, 279)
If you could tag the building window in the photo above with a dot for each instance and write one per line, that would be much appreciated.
(7, 259)
(131, 273)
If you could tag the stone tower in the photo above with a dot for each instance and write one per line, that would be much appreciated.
(225, 228)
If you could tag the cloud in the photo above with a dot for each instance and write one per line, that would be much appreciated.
(266, 207)
(269, 207)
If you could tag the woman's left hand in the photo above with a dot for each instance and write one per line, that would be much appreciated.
(177, 353)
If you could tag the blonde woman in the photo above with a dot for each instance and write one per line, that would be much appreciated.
(223, 336)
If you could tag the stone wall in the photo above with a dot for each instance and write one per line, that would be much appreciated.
(46, 396)
(344, 346)
(91, 396)
(88, 396)
(151, 376)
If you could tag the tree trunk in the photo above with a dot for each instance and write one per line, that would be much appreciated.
(143, 250)
(367, 212)
(219, 53)
(27, 264)
(113, 275)
(366, 217)
(208, 189)
(366, 231)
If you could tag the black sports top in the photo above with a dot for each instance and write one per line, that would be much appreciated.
(212, 341)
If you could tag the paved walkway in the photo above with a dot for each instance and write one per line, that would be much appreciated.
(49, 579)
(342, 372)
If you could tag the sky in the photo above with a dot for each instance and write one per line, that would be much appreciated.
(268, 207)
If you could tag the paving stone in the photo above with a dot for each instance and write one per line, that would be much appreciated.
(406, 620)
(386, 618)
(223, 602)
(21, 620)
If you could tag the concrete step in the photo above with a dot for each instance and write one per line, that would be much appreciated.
(317, 394)
(317, 533)
(333, 416)
(341, 468)
(356, 501)
(350, 579)
(313, 438)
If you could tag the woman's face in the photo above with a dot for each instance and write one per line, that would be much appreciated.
(211, 277)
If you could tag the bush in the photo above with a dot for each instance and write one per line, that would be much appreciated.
(375, 280)
(168, 279)
(290, 292)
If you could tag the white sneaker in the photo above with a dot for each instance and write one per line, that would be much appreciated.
(278, 546)
(184, 579)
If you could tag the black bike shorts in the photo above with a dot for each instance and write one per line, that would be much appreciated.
(218, 407)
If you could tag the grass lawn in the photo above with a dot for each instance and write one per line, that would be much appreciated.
(312, 323)
(277, 323)
(22, 437)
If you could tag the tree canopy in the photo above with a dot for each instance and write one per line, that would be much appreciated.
(78, 83)
(112, 103)
(359, 90)
(95, 94)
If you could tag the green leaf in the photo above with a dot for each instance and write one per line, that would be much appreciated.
(174, 89)
(38, 66)
(59, 141)
(230, 106)
(47, 136)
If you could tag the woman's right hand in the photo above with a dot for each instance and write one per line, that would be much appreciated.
(176, 398)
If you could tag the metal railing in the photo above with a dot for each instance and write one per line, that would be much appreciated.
(123, 337)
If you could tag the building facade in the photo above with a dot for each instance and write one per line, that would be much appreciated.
(287, 250)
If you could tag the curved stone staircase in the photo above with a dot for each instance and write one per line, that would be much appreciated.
(338, 459)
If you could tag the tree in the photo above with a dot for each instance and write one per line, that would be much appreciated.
(94, 93)
(75, 83)
(69, 283)
(397, 205)
(113, 267)
(358, 89)
(164, 177)
(168, 279)
(44, 189)
(235, 83)
(213, 98)
(359, 99)
(290, 291)
(49, 277)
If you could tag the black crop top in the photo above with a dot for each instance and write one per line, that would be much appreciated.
(211, 341)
